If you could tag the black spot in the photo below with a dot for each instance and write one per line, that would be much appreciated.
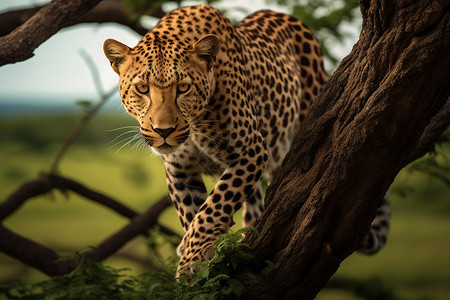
(248, 189)
(198, 201)
(308, 36)
(216, 198)
(223, 186)
(237, 197)
(237, 182)
(189, 217)
(228, 209)
(251, 200)
(304, 61)
(187, 200)
(176, 165)
(228, 195)
(250, 178)
(306, 48)
(243, 162)
(226, 176)
(180, 186)
(196, 185)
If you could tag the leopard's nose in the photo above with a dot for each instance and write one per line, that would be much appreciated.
(164, 132)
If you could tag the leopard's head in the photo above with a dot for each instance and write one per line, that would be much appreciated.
(165, 84)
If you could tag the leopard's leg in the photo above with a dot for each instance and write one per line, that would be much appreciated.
(215, 216)
(376, 238)
(186, 191)
(253, 207)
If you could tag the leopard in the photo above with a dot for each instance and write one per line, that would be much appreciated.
(222, 99)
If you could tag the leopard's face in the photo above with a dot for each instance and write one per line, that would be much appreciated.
(165, 87)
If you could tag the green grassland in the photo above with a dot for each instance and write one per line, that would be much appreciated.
(414, 265)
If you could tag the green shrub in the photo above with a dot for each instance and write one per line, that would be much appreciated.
(93, 280)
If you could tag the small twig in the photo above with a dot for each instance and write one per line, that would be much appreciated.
(70, 139)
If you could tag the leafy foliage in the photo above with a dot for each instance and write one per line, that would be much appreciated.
(93, 280)
(139, 8)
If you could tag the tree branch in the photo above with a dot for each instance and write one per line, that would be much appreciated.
(138, 225)
(23, 30)
(21, 42)
(45, 259)
(45, 184)
(33, 254)
(437, 125)
(28, 190)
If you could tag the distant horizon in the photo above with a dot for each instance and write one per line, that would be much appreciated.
(11, 105)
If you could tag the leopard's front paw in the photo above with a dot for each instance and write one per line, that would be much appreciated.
(192, 251)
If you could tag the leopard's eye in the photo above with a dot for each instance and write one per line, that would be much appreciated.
(183, 88)
(142, 88)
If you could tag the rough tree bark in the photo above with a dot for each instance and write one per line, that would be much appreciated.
(372, 118)
(23, 30)
(21, 42)
(106, 11)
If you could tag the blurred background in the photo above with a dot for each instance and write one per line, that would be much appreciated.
(43, 98)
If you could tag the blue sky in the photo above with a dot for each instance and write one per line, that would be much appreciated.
(57, 69)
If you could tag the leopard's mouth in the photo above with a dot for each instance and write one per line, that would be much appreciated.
(169, 144)
(165, 148)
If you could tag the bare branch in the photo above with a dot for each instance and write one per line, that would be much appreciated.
(138, 225)
(28, 190)
(431, 133)
(70, 139)
(21, 42)
(45, 259)
(107, 11)
(33, 254)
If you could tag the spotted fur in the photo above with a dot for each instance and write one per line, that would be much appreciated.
(222, 99)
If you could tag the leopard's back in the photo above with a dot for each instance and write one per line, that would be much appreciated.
(286, 69)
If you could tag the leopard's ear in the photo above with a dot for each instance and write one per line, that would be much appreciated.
(206, 49)
(116, 52)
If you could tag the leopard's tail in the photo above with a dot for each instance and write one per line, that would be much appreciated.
(376, 238)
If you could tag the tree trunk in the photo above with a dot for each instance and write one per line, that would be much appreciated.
(372, 118)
